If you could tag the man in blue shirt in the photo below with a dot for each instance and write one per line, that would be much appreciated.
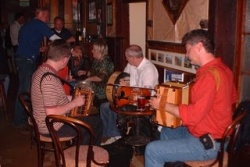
(30, 40)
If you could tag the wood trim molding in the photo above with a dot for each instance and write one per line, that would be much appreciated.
(167, 46)
(131, 1)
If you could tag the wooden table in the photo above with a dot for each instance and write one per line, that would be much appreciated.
(134, 116)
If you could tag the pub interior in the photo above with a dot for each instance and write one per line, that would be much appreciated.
(157, 26)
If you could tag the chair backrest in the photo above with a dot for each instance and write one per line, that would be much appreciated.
(77, 126)
(25, 100)
(230, 134)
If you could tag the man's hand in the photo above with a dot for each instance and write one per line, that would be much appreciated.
(43, 49)
(79, 101)
(81, 72)
(124, 81)
(155, 102)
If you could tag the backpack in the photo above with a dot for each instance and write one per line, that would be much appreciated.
(243, 137)
(120, 154)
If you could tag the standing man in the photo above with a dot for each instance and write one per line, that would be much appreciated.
(142, 73)
(61, 31)
(28, 56)
(208, 114)
(48, 96)
(14, 30)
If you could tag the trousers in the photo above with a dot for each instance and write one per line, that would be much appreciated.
(109, 121)
(177, 145)
(25, 68)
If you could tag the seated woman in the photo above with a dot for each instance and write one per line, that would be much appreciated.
(65, 73)
(79, 65)
(100, 71)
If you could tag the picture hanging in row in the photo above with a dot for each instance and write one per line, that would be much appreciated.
(171, 60)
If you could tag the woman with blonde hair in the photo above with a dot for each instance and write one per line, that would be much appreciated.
(101, 69)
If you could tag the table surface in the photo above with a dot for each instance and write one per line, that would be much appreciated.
(146, 112)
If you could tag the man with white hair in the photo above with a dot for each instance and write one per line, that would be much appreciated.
(142, 73)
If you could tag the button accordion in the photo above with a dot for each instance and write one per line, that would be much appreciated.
(83, 89)
(175, 93)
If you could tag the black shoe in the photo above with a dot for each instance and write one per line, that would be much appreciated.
(24, 128)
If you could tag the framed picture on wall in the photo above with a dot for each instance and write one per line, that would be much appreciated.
(161, 57)
(91, 11)
(171, 60)
(109, 14)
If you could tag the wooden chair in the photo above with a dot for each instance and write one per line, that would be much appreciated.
(77, 155)
(41, 140)
(222, 158)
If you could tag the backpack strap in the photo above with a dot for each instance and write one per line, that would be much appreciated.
(61, 79)
(216, 75)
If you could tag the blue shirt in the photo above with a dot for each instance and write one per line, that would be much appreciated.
(30, 38)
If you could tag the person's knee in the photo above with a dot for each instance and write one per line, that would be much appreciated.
(104, 109)
(104, 106)
(149, 148)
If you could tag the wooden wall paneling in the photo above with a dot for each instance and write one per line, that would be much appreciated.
(122, 25)
(61, 10)
(225, 29)
(68, 15)
(115, 45)
(239, 47)
(118, 34)
(54, 11)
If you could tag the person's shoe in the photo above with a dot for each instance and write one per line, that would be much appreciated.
(24, 128)
(110, 140)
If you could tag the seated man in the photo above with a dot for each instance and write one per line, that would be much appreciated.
(142, 73)
(48, 96)
(61, 31)
(208, 114)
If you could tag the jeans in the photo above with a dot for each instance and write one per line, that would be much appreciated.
(177, 145)
(25, 69)
(109, 121)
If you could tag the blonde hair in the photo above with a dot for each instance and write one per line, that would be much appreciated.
(102, 47)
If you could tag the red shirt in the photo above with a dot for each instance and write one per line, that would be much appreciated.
(64, 74)
(211, 100)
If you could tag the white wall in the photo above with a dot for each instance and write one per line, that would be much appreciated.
(137, 18)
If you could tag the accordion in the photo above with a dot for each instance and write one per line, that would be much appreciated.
(175, 93)
(83, 89)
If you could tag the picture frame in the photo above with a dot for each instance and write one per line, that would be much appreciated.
(92, 11)
(174, 8)
(171, 60)
(161, 57)
(109, 14)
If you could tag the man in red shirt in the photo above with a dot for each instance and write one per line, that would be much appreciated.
(208, 113)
